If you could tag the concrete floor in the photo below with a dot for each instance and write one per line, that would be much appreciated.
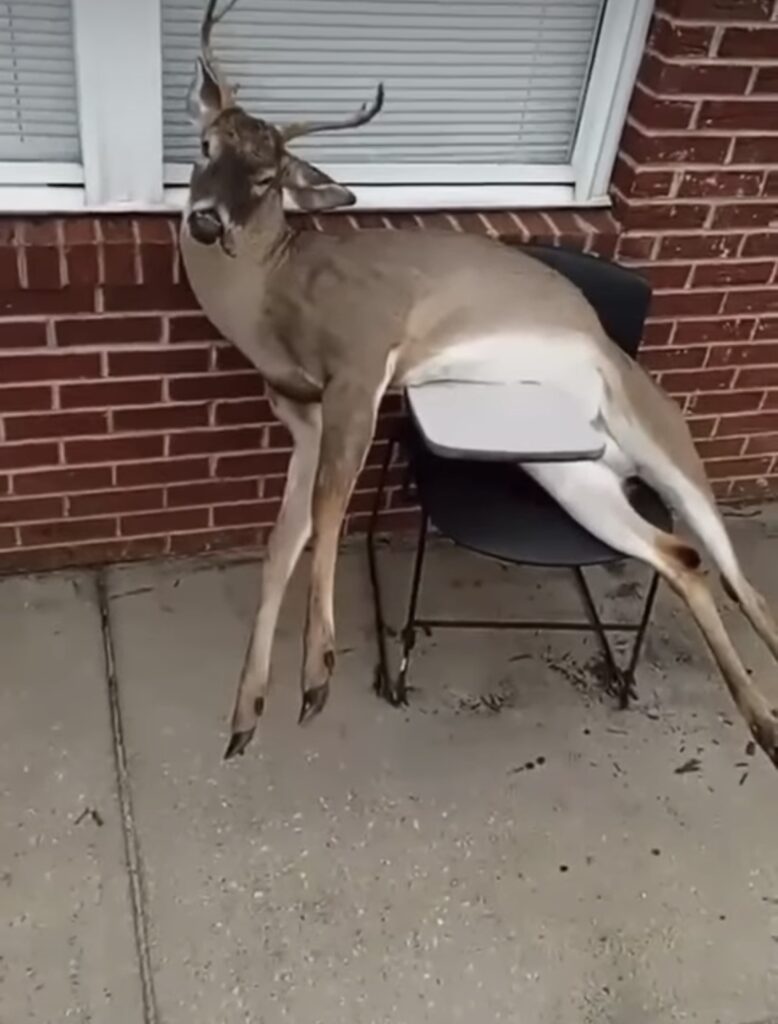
(510, 848)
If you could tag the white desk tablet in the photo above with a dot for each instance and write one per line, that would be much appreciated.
(523, 421)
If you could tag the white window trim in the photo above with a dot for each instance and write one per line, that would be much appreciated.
(119, 76)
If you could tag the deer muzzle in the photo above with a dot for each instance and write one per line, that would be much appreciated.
(206, 226)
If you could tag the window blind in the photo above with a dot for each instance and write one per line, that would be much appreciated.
(38, 99)
(468, 82)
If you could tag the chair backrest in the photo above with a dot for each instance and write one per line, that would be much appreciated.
(621, 297)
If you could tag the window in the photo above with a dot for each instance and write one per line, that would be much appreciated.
(488, 102)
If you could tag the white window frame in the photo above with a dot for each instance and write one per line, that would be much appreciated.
(118, 52)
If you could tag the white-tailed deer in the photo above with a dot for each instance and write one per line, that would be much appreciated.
(330, 321)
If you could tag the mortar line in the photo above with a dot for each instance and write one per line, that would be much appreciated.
(129, 831)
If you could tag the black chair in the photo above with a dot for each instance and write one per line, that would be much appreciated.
(497, 510)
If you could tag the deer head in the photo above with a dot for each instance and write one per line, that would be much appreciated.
(245, 162)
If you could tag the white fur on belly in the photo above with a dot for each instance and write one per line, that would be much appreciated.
(569, 361)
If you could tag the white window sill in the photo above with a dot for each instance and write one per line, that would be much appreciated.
(47, 199)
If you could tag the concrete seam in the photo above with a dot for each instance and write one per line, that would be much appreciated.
(129, 830)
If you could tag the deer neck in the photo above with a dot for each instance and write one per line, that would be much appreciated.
(231, 285)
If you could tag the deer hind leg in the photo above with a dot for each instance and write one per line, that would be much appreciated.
(348, 424)
(287, 540)
(592, 493)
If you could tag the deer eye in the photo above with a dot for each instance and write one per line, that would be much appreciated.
(205, 148)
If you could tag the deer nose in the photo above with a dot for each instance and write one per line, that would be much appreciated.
(205, 226)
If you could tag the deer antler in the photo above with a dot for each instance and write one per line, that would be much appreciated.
(211, 18)
(365, 113)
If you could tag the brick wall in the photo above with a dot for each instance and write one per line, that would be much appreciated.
(129, 429)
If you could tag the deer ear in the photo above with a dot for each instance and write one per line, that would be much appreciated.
(312, 189)
(205, 95)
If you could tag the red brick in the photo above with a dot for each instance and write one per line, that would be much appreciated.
(157, 263)
(766, 80)
(749, 42)
(389, 521)
(168, 471)
(712, 274)
(762, 377)
(55, 424)
(657, 332)
(40, 231)
(261, 512)
(772, 400)
(86, 554)
(254, 410)
(701, 331)
(745, 215)
(105, 394)
(688, 382)
(766, 444)
(47, 367)
(108, 330)
(720, 447)
(770, 184)
(119, 298)
(66, 530)
(192, 328)
(62, 481)
(27, 302)
(105, 503)
(658, 217)
(737, 355)
(19, 510)
(113, 449)
(42, 266)
(230, 358)
(668, 304)
(156, 228)
(636, 247)
(765, 244)
(214, 386)
(751, 302)
(19, 456)
(29, 399)
(79, 230)
(169, 417)
(718, 10)
(215, 540)
(672, 358)
(655, 112)
(720, 183)
(698, 247)
(641, 184)
(162, 522)
(757, 149)
(675, 40)
(22, 334)
(114, 230)
(9, 268)
(727, 401)
(159, 360)
(722, 469)
(119, 265)
(738, 115)
(663, 276)
(756, 423)
(766, 328)
(212, 492)
(203, 441)
(7, 538)
(701, 426)
(685, 148)
(257, 464)
(83, 265)
(693, 79)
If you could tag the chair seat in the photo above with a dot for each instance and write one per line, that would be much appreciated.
(496, 509)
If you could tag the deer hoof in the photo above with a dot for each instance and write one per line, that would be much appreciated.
(313, 702)
(238, 743)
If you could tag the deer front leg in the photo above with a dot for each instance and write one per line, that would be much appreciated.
(289, 535)
(348, 423)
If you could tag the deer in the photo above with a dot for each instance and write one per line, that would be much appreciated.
(331, 321)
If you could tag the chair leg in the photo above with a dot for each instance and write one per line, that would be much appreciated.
(620, 683)
(382, 683)
(637, 646)
(409, 630)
